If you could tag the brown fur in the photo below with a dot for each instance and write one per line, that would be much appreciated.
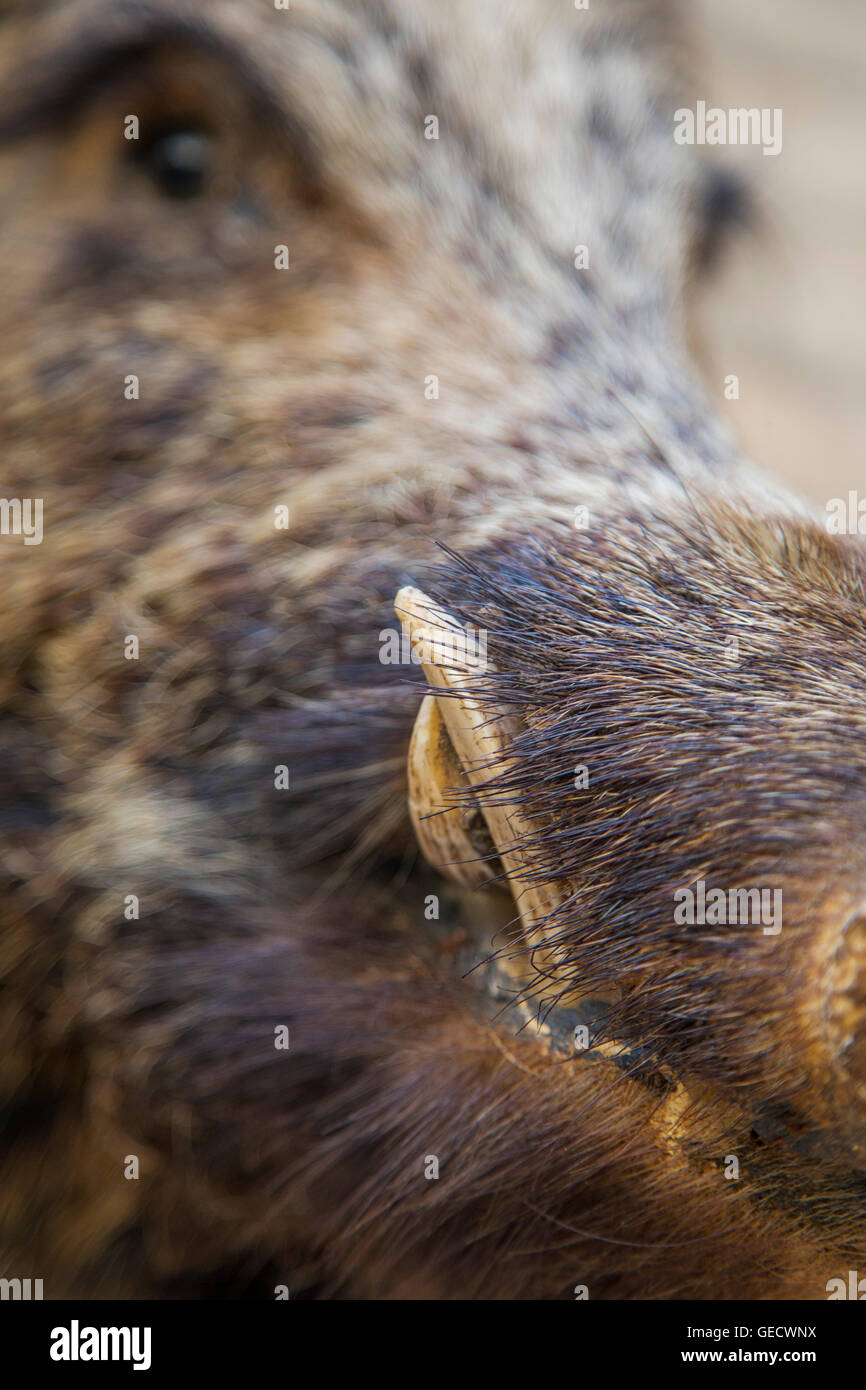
(259, 647)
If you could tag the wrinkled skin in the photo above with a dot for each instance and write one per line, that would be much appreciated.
(258, 647)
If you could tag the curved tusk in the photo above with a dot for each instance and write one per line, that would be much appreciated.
(448, 823)
(480, 739)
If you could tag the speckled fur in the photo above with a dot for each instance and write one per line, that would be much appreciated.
(558, 388)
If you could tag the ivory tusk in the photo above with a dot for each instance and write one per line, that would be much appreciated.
(480, 738)
(452, 832)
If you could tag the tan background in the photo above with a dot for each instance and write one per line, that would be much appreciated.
(787, 309)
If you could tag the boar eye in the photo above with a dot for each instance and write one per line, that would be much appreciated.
(178, 161)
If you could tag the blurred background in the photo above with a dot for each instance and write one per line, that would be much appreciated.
(786, 310)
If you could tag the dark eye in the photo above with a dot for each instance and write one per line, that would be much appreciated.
(178, 161)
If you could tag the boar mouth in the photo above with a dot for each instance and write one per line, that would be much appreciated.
(456, 746)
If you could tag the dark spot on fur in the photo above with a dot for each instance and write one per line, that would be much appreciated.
(726, 205)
